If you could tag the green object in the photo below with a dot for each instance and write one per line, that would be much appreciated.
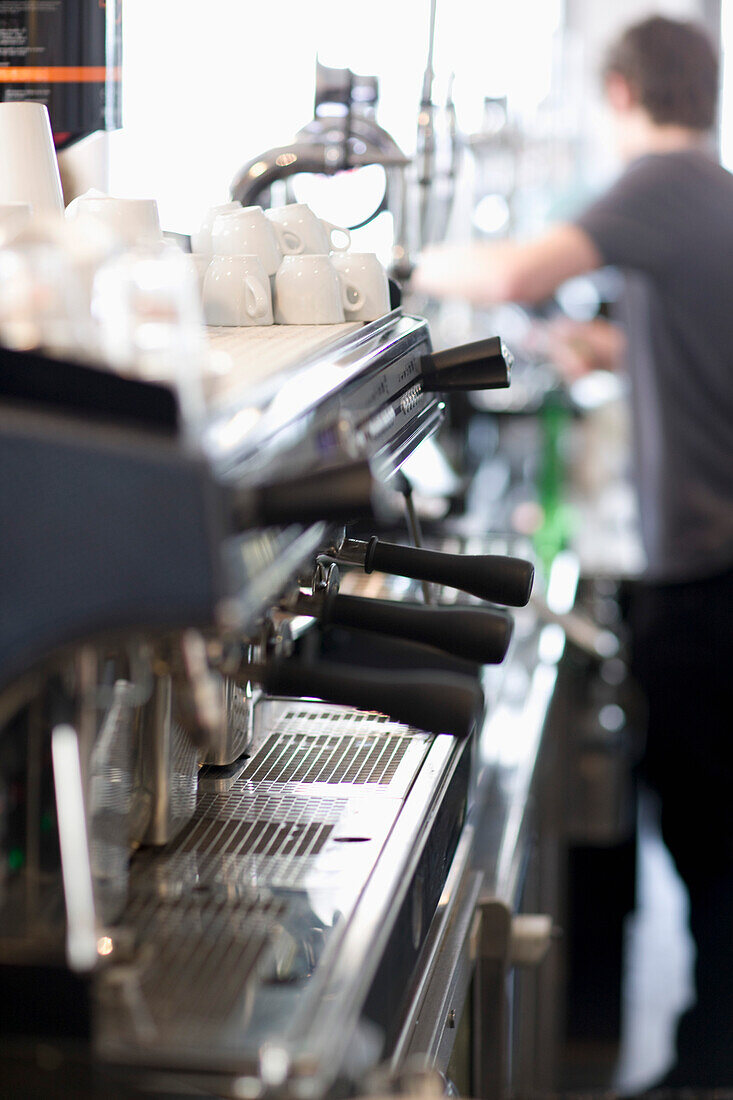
(553, 535)
(16, 859)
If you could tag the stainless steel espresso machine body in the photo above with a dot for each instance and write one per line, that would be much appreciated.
(208, 876)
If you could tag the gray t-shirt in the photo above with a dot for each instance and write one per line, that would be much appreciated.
(668, 225)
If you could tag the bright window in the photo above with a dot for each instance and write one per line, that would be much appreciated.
(208, 86)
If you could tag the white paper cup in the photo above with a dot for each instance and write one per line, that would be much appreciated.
(29, 170)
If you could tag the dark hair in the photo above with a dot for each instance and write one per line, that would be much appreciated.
(672, 68)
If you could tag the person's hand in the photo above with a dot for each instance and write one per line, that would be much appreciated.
(577, 347)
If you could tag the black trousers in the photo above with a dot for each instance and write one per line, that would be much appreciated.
(682, 640)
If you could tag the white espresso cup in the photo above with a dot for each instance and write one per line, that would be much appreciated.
(366, 285)
(29, 170)
(201, 239)
(237, 292)
(133, 221)
(308, 291)
(300, 231)
(247, 232)
(201, 266)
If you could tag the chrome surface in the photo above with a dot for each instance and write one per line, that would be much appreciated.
(350, 551)
(165, 771)
(347, 982)
(351, 394)
(261, 565)
(110, 802)
(324, 146)
(518, 694)
(445, 967)
(415, 531)
(261, 906)
(237, 700)
(508, 753)
(341, 400)
(501, 825)
(237, 930)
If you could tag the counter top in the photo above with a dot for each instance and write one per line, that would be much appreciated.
(259, 351)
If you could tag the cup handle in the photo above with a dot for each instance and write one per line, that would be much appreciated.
(257, 297)
(351, 305)
(339, 229)
(291, 243)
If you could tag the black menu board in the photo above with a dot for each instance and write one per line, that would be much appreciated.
(67, 55)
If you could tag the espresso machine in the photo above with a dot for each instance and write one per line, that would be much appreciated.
(224, 857)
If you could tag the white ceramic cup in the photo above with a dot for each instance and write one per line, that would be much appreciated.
(237, 292)
(247, 232)
(201, 239)
(300, 231)
(29, 170)
(366, 285)
(308, 291)
(201, 265)
(134, 221)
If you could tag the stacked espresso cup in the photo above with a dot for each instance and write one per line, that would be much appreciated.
(284, 266)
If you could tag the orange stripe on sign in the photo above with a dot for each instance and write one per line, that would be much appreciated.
(58, 74)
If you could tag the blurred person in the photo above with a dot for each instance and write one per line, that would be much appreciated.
(579, 347)
(667, 224)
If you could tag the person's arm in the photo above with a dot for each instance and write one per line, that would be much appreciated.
(485, 273)
(577, 347)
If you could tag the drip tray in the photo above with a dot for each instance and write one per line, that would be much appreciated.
(315, 744)
(318, 778)
(226, 912)
(196, 959)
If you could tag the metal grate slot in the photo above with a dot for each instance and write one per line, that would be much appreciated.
(260, 838)
(319, 758)
(239, 836)
(196, 956)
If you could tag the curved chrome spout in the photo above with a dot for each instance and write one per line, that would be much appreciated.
(276, 164)
(322, 147)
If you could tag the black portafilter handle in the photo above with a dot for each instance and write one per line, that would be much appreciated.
(481, 365)
(474, 633)
(332, 494)
(433, 703)
(494, 577)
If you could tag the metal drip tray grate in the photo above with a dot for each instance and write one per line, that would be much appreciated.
(222, 918)
(336, 746)
(260, 838)
(317, 758)
(196, 957)
(241, 837)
